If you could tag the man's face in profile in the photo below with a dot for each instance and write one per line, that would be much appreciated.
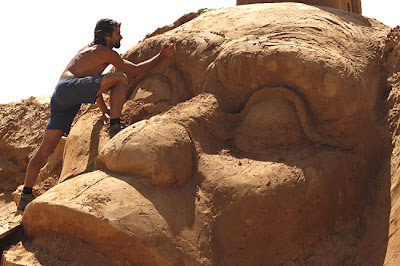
(116, 37)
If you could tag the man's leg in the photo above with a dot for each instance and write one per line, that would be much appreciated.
(118, 84)
(47, 147)
(49, 144)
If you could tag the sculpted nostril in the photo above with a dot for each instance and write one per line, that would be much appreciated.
(160, 152)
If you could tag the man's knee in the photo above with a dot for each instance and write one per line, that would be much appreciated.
(122, 78)
(113, 79)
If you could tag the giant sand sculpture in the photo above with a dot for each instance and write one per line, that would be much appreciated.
(271, 138)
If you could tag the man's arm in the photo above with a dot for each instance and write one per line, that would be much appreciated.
(138, 69)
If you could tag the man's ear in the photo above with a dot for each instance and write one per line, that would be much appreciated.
(107, 37)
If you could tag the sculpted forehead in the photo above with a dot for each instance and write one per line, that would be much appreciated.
(325, 32)
(279, 21)
(309, 37)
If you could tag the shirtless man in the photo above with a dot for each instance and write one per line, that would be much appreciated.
(82, 82)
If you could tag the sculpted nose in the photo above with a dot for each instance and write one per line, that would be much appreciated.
(160, 152)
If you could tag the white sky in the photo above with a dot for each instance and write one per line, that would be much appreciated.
(39, 38)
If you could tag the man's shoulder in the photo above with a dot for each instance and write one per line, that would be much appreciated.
(102, 48)
(103, 51)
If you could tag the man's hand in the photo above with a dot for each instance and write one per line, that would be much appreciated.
(168, 50)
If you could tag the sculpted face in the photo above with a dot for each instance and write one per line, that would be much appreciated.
(276, 143)
(262, 131)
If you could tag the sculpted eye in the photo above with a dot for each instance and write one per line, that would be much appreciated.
(277, 116)
(270, 123)
(273, 117)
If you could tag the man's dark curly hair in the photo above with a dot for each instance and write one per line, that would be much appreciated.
(103, 27)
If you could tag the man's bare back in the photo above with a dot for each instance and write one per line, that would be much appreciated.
(89, 61)
(92, 60)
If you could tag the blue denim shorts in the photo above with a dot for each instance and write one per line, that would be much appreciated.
(67, 98)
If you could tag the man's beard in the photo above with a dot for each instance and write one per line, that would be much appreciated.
(117, 45)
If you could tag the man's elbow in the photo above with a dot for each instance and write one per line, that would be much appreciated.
(127, 70)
